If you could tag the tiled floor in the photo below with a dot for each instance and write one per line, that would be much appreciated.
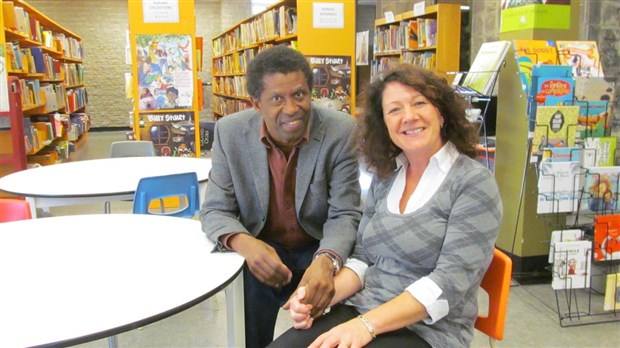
(532, 319)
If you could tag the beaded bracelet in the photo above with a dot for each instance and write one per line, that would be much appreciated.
(368, 325)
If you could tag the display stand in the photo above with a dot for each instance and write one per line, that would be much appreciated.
(165, 86)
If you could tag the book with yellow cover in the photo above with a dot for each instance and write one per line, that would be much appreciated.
(533, 52)
(582, 56)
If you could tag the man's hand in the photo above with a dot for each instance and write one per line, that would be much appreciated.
(318, 281)
(262, 259)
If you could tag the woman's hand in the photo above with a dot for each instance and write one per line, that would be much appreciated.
(300, 312)
(352, 334)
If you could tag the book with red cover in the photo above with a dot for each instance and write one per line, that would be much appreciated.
(607, 237)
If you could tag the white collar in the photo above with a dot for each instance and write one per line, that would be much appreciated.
(442, 159)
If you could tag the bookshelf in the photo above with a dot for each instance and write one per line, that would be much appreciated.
(437, 46)
(46, 84)
(287, 22)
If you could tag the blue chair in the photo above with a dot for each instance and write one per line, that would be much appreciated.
(157, 188)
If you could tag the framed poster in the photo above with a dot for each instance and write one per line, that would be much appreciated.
(332, 81)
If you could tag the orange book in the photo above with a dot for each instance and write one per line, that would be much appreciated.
(607, 237)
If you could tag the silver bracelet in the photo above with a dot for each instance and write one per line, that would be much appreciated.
(368, 325)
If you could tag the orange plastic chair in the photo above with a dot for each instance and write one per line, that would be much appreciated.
(496, 283)
(14, 210)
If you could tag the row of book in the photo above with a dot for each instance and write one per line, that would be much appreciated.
(230, 86)
(427, 60)
(235, 63)
(413, 34)
(224, 106)
(32, 60)
(279, 22)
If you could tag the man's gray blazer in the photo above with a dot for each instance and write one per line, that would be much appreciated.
(327, 193)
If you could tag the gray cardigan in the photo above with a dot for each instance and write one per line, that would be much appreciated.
(327, 193)
(450, 239)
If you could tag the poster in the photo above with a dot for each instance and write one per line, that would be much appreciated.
(172, 134)
(4, 88)
(361, 48)
(165, 73)
(332, 81)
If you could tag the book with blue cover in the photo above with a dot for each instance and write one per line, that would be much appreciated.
(551, 85)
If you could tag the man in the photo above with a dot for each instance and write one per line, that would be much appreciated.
(283, 191)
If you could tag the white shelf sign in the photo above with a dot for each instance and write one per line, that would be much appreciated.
(389, 17)
(419, 8)
(327, 15)
(160, 11)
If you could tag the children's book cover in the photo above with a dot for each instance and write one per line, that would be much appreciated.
(482, 74)
(555, 127)
(563, 236)
(607, 237)
(559, 185)
(571, 265)
(612, 293)
(551, 85)
(562, 154)
(600, 190)
(604, 149)
(165, 73)
(172, 134)
(332, 81)
(582, 56)
(533, 52)
(594, 118)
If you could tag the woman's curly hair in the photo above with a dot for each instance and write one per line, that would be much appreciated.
(373, 138)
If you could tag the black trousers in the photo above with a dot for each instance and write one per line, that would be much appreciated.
(338, 315)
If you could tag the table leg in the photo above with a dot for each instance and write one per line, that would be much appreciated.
(112, 342)
(235, 317)
(33, 206)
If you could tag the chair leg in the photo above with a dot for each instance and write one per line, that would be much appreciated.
(106, 207)
(112, 342)
(492, 342)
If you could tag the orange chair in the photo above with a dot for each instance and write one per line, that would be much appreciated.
(496, 283)
(14, 209)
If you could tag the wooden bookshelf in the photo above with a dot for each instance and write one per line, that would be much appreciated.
(44, 66)
(438, 51)
(287, 22)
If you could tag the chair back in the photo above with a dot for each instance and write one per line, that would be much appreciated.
(158, 188)
(132, 148)
(14, 210)
(496, 283)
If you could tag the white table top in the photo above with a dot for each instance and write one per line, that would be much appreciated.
(100, 177)
(73, 279)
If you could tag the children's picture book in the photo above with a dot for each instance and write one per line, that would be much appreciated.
(600, 190)
(571, 265)
(606, 237)
(612, 293)
(562, 154)
(551, 85)
(594, 118)
(555, 127)
(482, 74)
(604, 149)
(533, 52)
(172, 134)
(563, 236)
(582, 56)
(559, 186)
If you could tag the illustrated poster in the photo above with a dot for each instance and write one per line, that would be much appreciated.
(165, 73)
(172, 134)
(332, 81)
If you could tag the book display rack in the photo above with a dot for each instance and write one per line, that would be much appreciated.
(426, 39)
(578, 185)
(44, 63)
(297, 24)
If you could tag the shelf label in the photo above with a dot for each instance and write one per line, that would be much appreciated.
(328, 15)
(419, 8)
(389, 17)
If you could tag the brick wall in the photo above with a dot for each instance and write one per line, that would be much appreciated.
(102, 25)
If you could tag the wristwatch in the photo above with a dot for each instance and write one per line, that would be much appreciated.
(335, 262)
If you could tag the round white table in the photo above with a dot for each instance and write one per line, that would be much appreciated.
(73, 279)
(100, 180)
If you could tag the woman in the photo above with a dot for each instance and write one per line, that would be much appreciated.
(428, 230)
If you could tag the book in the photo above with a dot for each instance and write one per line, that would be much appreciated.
(600, 190)
(612, 293)
(582, 56)
(533, 52)
(563, 154)
(563, 236)
(571, 265)
(555, 127)
(482, 74)
(606, 237)
(559, 186)
(551, 85)
(593, 118)
(604, 149)
(411, 31)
